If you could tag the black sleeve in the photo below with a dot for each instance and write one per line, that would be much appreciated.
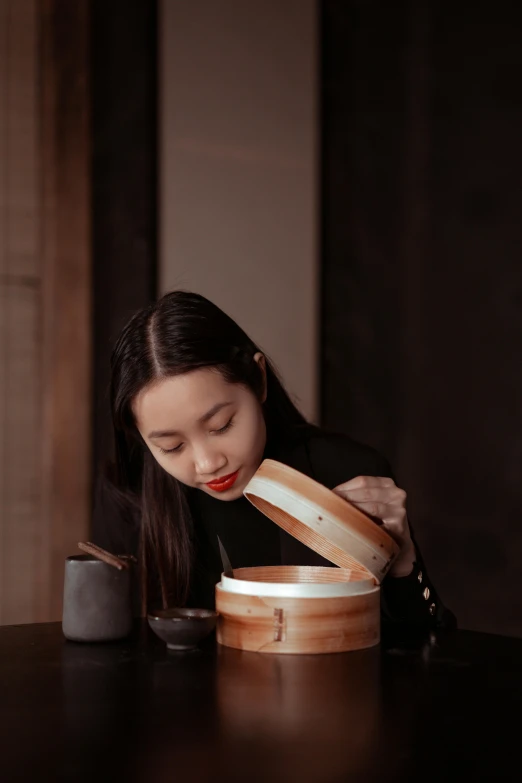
(405, 601)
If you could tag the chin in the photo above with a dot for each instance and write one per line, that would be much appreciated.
(234, 493)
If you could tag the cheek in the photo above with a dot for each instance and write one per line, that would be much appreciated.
(255, 436)
(175, 467)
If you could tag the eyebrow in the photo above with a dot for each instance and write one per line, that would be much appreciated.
(206, 417)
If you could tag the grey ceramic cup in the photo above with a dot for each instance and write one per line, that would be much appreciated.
(96, 600)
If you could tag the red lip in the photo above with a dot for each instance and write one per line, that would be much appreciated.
(224, 482)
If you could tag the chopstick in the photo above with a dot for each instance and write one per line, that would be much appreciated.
(102, 554)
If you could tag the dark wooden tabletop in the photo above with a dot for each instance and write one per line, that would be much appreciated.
(414, 710)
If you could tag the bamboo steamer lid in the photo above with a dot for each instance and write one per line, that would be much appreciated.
(321, 520)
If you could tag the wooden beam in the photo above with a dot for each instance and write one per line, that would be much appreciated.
(66, 277)
(45, 295)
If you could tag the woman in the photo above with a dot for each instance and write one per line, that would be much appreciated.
(196, 407)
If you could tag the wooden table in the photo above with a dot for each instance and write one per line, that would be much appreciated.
(410, 710)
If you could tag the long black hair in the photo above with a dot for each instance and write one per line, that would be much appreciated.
(179, 333)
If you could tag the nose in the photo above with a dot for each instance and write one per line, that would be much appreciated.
(208, 461)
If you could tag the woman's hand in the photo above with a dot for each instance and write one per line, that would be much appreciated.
(383, 500)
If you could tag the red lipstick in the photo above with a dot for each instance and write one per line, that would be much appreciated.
(224, 482)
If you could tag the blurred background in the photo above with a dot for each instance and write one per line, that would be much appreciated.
(344, 178)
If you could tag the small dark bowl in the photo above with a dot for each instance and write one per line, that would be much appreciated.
(182, 629)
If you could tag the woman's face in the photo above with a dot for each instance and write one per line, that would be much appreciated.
(206, 432)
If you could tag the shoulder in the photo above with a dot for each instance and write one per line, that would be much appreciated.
(332, 458)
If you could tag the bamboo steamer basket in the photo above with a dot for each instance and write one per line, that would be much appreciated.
(307, 609)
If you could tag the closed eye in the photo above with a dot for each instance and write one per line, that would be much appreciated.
(221, 431)
(175, 450)
(227, 426)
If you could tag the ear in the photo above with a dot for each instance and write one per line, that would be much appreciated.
(261, 362)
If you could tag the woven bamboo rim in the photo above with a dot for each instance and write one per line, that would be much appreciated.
(297, 581)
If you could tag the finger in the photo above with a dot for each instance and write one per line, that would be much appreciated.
(379, 511)
(392, 495)
(366, 482)
(394, 532)
(392, 517)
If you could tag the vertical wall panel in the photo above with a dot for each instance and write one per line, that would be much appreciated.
(44, 300)
(21, 510)
(238, 170)
(422, 331)
(123, 73)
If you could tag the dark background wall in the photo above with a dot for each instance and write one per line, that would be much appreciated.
(422, 276)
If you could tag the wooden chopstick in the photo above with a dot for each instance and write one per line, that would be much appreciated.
(102, 554)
